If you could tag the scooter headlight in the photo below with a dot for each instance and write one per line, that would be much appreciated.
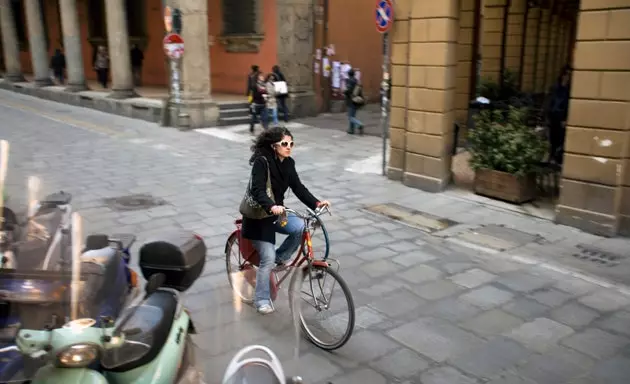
(77, 356)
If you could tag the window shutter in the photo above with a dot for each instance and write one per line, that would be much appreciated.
(239, 17)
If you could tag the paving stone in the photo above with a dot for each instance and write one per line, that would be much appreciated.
(452, 268)
(550, 297)
(472, 278)
(437, 290)
(403, 246)
(491, 323)
(618, 323)
(605, 300)
(367, 346)
(525, 308)
(576, 286)
(397, 303)
(412, 258)
(435, 339)
(366, 317)
(383, 288)
(557, 366)
(522, 282)
(596, 343)
(540, 334)
(363, 231)
(380, 268)
(401, 364)
(358, 221)
(452, 309)
(375, 254)
(612, 371)
(345, 247)
(574, 315)
(420, 274)
(491, 358)
(501, 266)
(311, 367)
(509, 377)
(445, 375)
(361, 376)
(487, 297)
(374, 240)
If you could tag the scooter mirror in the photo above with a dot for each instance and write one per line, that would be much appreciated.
(154, 283)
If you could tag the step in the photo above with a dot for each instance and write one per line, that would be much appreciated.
(233, 120)
(231, 106)
(234, 112)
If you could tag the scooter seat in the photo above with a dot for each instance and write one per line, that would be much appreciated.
(151, 323)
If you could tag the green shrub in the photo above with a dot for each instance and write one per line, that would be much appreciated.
(502, 142)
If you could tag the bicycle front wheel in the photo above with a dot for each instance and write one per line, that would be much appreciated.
(320, 240)
(326, 316)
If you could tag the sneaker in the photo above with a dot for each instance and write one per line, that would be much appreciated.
(265, 309)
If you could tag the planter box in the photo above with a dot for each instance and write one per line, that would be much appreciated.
(505, 186)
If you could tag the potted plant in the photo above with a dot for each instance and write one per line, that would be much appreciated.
(505, 155)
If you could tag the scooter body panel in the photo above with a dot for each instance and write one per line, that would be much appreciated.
(164, 368)
(53, 375)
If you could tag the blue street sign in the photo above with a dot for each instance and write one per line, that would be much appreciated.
(384, 15)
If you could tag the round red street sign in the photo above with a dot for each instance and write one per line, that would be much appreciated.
(384, 15)
(173, 45)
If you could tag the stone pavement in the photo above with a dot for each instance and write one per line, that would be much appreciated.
(448, 290)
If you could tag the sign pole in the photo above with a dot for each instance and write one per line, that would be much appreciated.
(385, 99)
(384, 21)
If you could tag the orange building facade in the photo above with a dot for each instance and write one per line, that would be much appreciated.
(146, 27)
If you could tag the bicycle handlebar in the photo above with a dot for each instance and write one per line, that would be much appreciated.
(310, 212)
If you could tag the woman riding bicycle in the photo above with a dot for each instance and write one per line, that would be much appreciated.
(271, 157)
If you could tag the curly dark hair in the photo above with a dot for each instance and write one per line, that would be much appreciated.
(263, 144)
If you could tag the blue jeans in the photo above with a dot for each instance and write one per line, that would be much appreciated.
(352, 117)
(273, 113)
(258, 113)
(282, 105)
(269, 255)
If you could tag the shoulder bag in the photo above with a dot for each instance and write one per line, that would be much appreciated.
(249, 207)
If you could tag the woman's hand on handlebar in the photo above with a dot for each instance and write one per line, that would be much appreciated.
(277, 209)
(323, 204)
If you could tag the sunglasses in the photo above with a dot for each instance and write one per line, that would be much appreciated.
(286, 144)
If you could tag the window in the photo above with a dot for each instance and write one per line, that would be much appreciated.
(242, 25)
(239, 17)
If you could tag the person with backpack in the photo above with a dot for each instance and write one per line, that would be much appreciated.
(354, 101)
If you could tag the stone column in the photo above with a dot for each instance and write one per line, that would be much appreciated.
(492, 30)
(541, 59)
(465, 62)
(531, 43)
(428, 94)
(10, 43)
(400, 76)
(596, 174)
(514, 41)
(118, 46)
(72, 45)
(295, 54)
(37, 41)
(198, 109)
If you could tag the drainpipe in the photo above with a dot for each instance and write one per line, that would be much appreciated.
(548, 56)
(537, 50)
(506, 13)
(523, 45)
(324, 81)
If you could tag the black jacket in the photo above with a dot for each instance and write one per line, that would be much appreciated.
(283, 176)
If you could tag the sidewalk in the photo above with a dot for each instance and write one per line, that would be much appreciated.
(447, 289)
(370, 116)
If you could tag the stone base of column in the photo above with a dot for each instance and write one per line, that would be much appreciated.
(394, 174)
(14, 77)
(193, 114)
(302, 104)
(425, 183)
(73, 88)
(45, 82)
(588, 221)
(120, 94)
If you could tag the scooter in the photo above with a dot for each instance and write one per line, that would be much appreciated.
(149, 343)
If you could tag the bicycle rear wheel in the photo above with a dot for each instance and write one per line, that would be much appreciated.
(241, 274)
(309, 284)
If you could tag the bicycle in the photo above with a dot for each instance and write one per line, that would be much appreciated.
(242, 278)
